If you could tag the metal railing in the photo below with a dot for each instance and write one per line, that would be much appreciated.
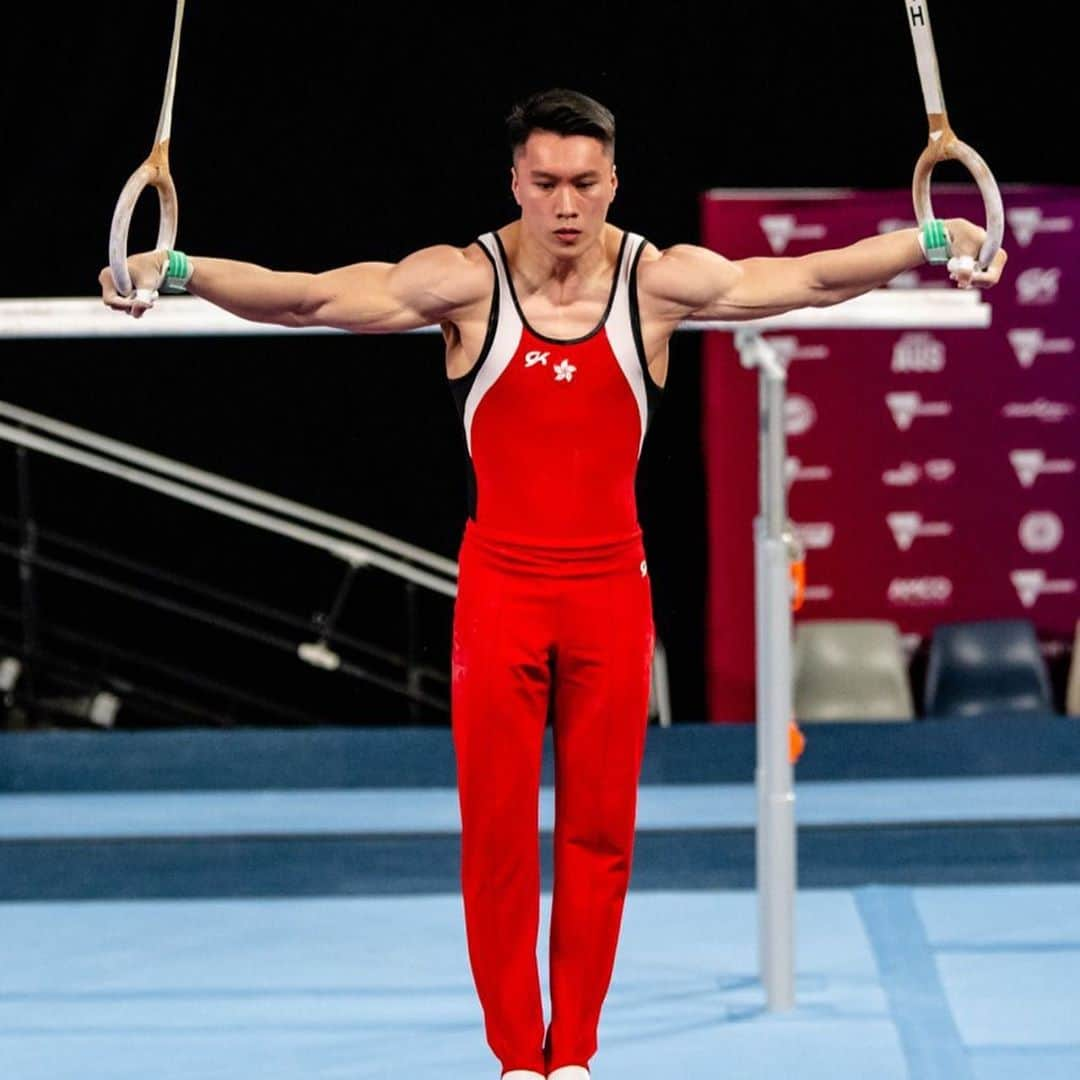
(353, 544)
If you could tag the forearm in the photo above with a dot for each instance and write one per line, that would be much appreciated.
(250, 291)
(842, 273)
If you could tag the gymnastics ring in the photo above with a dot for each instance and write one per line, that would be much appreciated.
(154, 171)
(944, 145)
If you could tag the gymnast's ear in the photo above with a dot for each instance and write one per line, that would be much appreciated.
(514, 184)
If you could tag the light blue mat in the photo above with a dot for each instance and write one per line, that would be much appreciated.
(379, 989)
(435, 810)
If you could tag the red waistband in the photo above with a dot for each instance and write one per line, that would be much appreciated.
(577, 554)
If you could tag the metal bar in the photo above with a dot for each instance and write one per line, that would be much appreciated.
(191, 316)
(241, 492)
(342, 549)
(412, 634)
(220, 623)
(27, 582)
(330, 621)
(661, 686)
(775, 837)
(245, 604)
(776, 824)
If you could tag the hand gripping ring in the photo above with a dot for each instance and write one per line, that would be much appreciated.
(945, 145)
(154, 171)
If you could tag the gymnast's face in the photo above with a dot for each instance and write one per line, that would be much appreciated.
(564, 185)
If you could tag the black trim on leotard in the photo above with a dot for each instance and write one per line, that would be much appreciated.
(463, 384)
(562, 341)
(653, 390)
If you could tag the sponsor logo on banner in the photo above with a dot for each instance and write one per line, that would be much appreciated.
(781, 229)
(789, 348)
(1049, 412)
(1030, 585)
(908, 473)
(799, 414)
(1041, 532)
(905, 405)
(1038, 285)
(816, 535)
(818, 592)
(919, 353)
(905, 475)
(920, 591)
(1031, 464)
(907, 526)
(1029, 345)
(940, 469)
(1027, 221)
(795, 470)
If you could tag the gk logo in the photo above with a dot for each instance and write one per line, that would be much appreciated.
(534, 357)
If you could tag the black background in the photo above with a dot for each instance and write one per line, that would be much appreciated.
(316, 135)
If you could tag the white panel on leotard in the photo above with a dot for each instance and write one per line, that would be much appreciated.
(507, 338)
(620, 331)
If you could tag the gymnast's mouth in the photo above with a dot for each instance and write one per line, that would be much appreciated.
(567, 234)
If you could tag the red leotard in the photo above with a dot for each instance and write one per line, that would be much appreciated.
(553, 607)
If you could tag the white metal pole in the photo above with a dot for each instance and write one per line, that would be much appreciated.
(776, 849)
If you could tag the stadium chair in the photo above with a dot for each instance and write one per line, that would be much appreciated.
(850, 669)
(1072, 694)
(990, 666)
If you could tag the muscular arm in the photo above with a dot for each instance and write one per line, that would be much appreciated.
(689, 282)
(425, 288)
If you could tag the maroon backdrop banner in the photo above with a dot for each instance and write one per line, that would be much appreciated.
(932, 473)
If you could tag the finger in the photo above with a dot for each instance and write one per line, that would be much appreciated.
(143, 301)
(984, 279)
(962, 270)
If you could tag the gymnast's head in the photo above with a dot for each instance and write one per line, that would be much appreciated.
(563, 171)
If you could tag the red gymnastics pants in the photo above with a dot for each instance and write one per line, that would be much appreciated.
(575, 623)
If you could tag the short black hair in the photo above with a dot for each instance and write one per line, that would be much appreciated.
(565, 112)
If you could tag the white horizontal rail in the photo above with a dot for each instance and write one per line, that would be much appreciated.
(243, 492)
(87, 317)
(190, 316)
(352, 553)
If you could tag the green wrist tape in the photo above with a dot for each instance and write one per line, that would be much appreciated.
(178, 273)
(934, 241)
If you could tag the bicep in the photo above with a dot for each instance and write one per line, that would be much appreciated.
(375, 297)
(701, 284)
